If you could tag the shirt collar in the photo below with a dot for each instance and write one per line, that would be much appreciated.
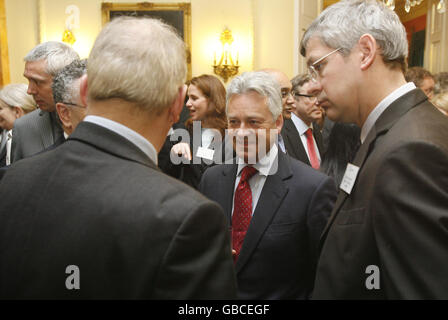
(382, 106)
(300, 125)
(134, 137)
(264, 165)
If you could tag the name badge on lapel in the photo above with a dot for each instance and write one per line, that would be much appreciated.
(351, 172)
(205, 153)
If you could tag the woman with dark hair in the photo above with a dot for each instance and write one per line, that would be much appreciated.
(207, 106)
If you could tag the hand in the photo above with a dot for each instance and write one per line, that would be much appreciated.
(182, 149)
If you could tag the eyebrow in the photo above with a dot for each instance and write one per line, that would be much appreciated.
(33, 77)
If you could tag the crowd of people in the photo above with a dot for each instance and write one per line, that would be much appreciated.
(329, 185)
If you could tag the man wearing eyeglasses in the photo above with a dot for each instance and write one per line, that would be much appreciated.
(66, 95)
(287, 101)
(302, 139)
(387, 237)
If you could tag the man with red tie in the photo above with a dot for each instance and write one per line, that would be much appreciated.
(303, 139)
(276, 206)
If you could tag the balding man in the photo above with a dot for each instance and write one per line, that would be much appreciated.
(40, 129)
(95, 218)
(287, 101)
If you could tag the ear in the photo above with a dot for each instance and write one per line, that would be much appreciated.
(18, 112)
(279, 123)
(64, 114)
(178, 104)
(83, 90)
(368, 49)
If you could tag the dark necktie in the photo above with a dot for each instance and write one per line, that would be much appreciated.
(314, 160)
(242, 212)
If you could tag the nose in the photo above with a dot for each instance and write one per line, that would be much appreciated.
(189, 104)
(31, 89)
(290, 98)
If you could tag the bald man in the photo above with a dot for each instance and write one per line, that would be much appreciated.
(286, 87)
(287, 100)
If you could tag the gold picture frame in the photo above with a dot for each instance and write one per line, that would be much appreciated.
(175, 10)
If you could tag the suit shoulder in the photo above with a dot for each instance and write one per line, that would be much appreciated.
(422, 124)
(306, 172)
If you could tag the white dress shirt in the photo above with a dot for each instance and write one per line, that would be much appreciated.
(302, 127)
(8, 147)
(265, 167)
(127, 133)
(382, 106)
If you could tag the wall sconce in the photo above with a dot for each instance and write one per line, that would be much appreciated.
(68, 37)
(226, 68)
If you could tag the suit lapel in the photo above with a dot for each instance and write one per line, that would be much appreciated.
(318, 137)
(387, 119)
(271, 197)
(296, 148)
(228, 182)
(45, 127)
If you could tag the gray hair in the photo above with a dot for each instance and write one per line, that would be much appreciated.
(139, 60)
(299, 80)
(57, 54)
(261, 82)
(63, 84)
(342, 24)
(14, 95)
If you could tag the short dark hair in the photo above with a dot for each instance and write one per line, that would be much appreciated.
(417, 75)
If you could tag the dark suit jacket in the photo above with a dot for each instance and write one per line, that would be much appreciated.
(98, 202)
(293, 143)
(396, 216)
(279, 253)
(34, 132)
(3, 148)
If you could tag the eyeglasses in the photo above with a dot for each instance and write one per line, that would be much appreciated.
(73, 104)
(296, 95)
(314, 68)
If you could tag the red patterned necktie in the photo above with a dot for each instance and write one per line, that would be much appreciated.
(314, 160)
(242, 211)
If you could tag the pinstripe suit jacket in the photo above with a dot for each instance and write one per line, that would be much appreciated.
(33, 133)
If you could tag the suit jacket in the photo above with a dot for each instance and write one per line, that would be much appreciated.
(279, 253)
(293, 142)
(99, 203)
(3, 134)
(396, 215)
(33, 133)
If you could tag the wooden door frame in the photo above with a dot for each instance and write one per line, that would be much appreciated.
(4, 59)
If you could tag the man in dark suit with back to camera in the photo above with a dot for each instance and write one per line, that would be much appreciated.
(276, 206)
(387, 237)
(40, 129)
(95, 218)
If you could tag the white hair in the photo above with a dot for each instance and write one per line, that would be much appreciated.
(261, 82)
(14, 95)
(342, 24)
(57, 54)
(139, 60)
